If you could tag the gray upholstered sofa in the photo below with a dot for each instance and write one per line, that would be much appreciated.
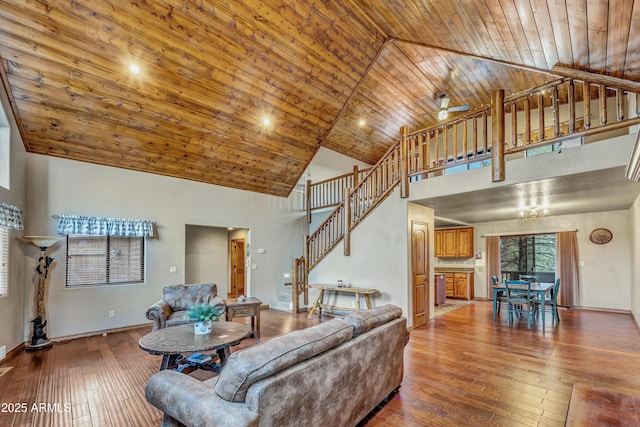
(177, 299)
(333, 373)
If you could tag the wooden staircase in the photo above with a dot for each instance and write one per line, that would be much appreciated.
(538, 117)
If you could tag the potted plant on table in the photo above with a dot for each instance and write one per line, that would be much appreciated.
(202, 315)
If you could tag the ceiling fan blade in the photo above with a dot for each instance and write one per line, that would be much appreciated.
(459, 108)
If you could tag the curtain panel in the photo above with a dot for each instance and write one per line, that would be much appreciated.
(493, 261)
(567, 269)
(94, 226)
(10, 216)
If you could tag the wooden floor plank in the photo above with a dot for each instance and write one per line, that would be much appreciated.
(461, 369)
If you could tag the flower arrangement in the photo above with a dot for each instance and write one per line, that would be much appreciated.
(203, 313)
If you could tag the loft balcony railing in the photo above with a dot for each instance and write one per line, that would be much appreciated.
(564, 109)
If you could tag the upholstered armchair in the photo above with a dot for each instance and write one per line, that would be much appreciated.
(176, 300)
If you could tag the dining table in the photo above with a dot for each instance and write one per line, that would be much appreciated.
(538, 288)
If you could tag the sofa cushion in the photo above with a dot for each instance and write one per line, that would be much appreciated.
(182, 297)
(245, 367)
(365, 320)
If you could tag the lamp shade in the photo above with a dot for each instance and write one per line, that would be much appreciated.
(42, 241)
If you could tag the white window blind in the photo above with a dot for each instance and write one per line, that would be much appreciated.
(104, 260)
(4, 261)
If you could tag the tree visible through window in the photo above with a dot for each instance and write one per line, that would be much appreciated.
(528, 255)
(104, 260)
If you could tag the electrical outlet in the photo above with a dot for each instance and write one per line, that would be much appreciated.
(112, 313)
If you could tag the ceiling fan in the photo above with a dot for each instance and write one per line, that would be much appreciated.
(444, 111)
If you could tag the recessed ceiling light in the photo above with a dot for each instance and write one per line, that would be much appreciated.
(134, 69)
(266, 121)
(361, 123)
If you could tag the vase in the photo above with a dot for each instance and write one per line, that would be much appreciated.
(202, 328)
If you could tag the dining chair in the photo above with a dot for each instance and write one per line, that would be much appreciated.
(520, 300)
(500, 296)
(550, 300)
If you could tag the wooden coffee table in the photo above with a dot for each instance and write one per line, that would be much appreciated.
(174, 341)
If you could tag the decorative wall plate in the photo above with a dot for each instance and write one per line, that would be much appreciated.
(600, 236)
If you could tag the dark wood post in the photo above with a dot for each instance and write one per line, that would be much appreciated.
(497, 135)
(404, 162)
(308, 196)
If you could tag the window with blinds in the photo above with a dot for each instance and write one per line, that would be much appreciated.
(104, 260)
(4, 261)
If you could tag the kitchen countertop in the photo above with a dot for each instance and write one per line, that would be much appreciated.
(454, 270)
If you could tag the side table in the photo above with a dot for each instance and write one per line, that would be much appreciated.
(250, 307)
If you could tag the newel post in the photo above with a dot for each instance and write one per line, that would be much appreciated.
(347, 222)
(497, 135)
(356, 176)
(404, 162)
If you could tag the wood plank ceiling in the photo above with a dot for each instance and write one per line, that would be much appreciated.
(212, 71)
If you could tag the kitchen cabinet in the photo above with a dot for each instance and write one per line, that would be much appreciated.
(459, 285)
(453, 242)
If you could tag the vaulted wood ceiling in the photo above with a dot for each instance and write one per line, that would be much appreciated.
(212, 70)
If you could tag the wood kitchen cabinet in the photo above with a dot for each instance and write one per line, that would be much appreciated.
(459, 285)
(453, 242)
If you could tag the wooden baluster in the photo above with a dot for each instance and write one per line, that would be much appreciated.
(602, 98)
(474, 135)
(527, 120)
(571, 94)
(454, 138)
(426, 146)
(437, 147)
(308, 197)
(497, 124)
(465, 145)
(620, 104)
(514, 125)
(404, 165)
(445, 144)
(556, 111)
(541, 133)
(485, 131)
(586, 104)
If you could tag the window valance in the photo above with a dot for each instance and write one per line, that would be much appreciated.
(94, 226)
(10, 216)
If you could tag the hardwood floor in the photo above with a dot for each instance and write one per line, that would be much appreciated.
(461, 369)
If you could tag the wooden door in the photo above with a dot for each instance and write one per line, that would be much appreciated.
(420, 272)
(236, 287)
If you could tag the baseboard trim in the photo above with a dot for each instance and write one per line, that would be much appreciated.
(13, 352)
(101, 332)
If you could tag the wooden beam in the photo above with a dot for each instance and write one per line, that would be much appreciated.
(616, 82)
(498, 135)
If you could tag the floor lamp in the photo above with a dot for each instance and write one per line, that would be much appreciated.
(39, 338)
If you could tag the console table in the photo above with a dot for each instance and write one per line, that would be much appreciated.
(358, 292)
(250, 307)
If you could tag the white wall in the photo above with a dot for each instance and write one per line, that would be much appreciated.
(635, 260)
(63, 186)
(328, 164)
(12, 328)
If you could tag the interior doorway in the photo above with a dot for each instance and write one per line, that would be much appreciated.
(420, 272)
(236, 285)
